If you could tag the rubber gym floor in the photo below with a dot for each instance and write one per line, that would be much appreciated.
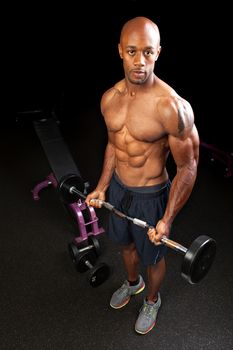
(46, 304)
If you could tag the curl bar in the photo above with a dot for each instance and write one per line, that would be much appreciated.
(198, 258)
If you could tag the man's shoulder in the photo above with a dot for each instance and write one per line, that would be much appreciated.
(117, 88)
(172, 102)
(166, 94)
(175, 114)
(112, 92)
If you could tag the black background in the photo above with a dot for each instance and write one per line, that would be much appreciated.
(66, 56)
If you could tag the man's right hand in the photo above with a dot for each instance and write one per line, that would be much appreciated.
(94, 198)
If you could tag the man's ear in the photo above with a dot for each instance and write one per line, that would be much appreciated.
(158, 53)
(120, 50)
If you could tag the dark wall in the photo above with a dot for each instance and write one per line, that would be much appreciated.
(68, 56)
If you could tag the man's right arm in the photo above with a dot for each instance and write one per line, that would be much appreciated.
(106, 175)
(109, 156)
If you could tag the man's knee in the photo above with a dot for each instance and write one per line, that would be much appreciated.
(129, 248)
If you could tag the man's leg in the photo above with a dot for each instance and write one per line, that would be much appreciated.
(156, 274)
(134, 284)
(149, 310)
(131, 261)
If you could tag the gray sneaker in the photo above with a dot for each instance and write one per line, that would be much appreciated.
(121, 296)
(147, 316)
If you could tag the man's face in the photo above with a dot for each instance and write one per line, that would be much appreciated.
(139, 49)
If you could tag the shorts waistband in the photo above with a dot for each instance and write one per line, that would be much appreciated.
(148, 191)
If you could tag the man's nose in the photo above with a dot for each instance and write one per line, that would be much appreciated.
(139, 59)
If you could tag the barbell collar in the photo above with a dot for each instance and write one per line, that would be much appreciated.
(140, 223)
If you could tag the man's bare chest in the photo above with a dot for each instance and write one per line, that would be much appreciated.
(139, 119)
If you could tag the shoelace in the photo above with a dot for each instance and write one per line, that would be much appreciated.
(124, 288)
(148, 310)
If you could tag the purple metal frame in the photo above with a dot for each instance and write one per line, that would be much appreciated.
(222, 156)
(50, 180)
(86, 229)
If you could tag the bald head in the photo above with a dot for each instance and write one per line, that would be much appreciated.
(140, 26)
(139, 48)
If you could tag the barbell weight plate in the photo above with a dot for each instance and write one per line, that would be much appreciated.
(99, 274)
(198, 259)
(65, 184)
(94, 241)
(88, 255)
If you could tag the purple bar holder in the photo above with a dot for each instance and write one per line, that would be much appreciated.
(86, 229)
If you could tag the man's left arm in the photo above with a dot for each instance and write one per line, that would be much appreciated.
(184, 147)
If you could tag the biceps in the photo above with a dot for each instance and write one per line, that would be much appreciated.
(185, 151)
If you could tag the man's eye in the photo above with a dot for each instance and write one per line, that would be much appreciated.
(148, 53)
(131, 52)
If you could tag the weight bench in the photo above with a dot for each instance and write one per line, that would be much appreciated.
(62, 163)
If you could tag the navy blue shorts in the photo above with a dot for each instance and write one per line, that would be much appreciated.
(145, 203)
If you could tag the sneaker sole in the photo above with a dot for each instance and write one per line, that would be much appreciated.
(127, 300)
(148, 330)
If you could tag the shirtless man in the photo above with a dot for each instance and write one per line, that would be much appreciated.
(146, 119)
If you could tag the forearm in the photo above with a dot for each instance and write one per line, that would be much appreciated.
(108, 168)
(181, 188)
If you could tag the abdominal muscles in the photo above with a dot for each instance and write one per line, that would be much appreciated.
(141, 163)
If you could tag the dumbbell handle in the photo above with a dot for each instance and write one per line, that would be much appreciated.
(88, 247)
(166, 241)
(89, 265)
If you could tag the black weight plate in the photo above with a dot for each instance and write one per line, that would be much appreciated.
(94, 241)
(99, 274)
(198, 259)
(204, 261)
(68, 181)
(73, 251)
